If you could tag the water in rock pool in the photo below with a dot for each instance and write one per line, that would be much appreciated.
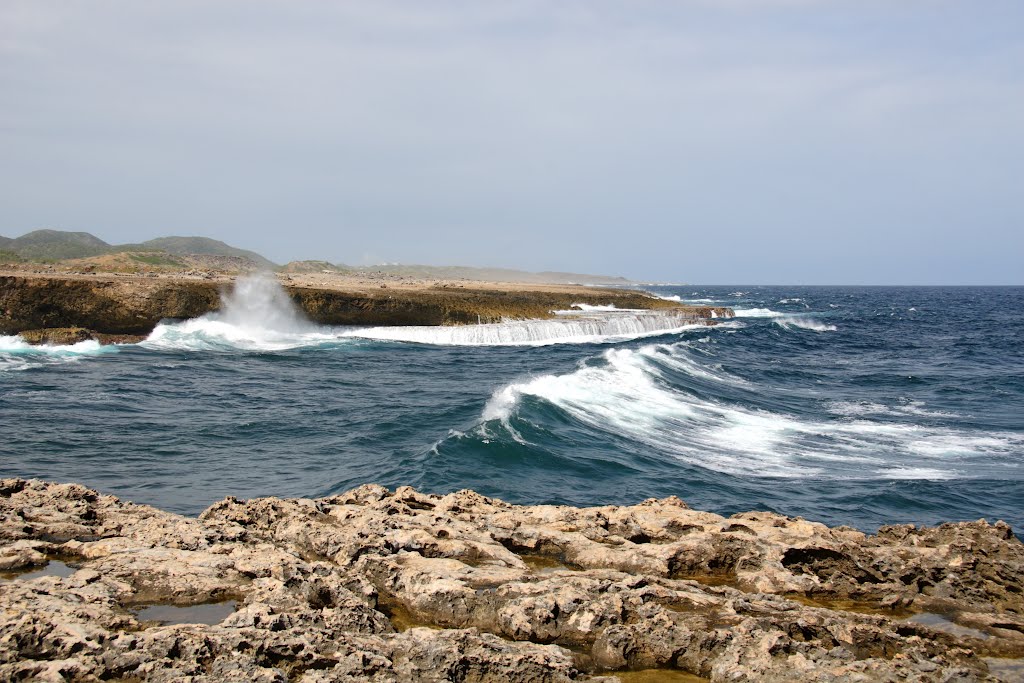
(846, 405)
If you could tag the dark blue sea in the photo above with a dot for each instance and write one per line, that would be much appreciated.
(847, 405)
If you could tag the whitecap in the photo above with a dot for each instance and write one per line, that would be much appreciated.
(757, 313)
(207, 333)
(592, 329)
(804, 324)
(923, 473)
(624, 392)
(17, 354)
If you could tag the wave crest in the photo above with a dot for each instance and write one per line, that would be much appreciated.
(17, 354)
(704, 422)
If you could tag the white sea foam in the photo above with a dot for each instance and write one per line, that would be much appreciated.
(786, 320)
(693, 301)
(17, 354)
(625, 392)
(580, 330)
(928, 473)
(210, 334)
(257, 316)
(757, 313)
(903, 407)
(804, 324)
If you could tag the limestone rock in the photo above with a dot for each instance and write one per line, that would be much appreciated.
(403, 586)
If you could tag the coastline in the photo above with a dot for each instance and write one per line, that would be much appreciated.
(64, 307)
(399, 585)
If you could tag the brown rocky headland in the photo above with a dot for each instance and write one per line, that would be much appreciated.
(63, 306)
(403, 586)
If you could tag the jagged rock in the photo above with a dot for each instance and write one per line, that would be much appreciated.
(403, 586)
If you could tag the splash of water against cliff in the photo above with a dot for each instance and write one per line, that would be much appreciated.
(258, 315)
(259, 302)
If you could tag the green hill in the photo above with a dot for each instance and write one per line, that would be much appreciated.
(203, 245)
(57, 244)
(53, 245)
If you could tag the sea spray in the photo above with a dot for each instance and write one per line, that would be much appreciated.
(258, 315)
(259, 302)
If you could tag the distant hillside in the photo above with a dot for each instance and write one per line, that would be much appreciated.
(313, 267)
(458, 273)
(204, 245)
(56, 244)
(205, 253)
(496, 275)
(52, 245)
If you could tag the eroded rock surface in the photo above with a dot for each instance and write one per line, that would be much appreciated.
(403, 586)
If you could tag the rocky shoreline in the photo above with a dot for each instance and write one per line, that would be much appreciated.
(404, 586)
(64, 308)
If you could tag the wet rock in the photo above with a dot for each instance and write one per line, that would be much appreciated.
(397, 586)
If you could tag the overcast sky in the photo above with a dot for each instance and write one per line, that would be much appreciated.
(705, 141)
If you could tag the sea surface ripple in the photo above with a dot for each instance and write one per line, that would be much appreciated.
(847, 405)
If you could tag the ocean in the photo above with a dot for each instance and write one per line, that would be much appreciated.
(862, 406)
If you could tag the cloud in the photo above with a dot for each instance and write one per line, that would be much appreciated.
(434, 132)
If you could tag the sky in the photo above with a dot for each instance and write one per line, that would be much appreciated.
(698, 141)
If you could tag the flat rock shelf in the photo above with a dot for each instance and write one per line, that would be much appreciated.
(399, 585)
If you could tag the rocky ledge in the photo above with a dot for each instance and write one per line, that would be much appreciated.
(63, 308)
(402, 586)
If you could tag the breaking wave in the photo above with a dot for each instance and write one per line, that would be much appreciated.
(257, 316)
(757, 313)
(17, 354)
(786, 320)
(667, 399)
(804, 324)
(581, 330)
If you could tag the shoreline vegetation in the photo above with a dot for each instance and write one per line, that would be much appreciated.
(381, 585)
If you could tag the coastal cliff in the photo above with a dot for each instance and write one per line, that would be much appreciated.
(403, 586)
(123, 305)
